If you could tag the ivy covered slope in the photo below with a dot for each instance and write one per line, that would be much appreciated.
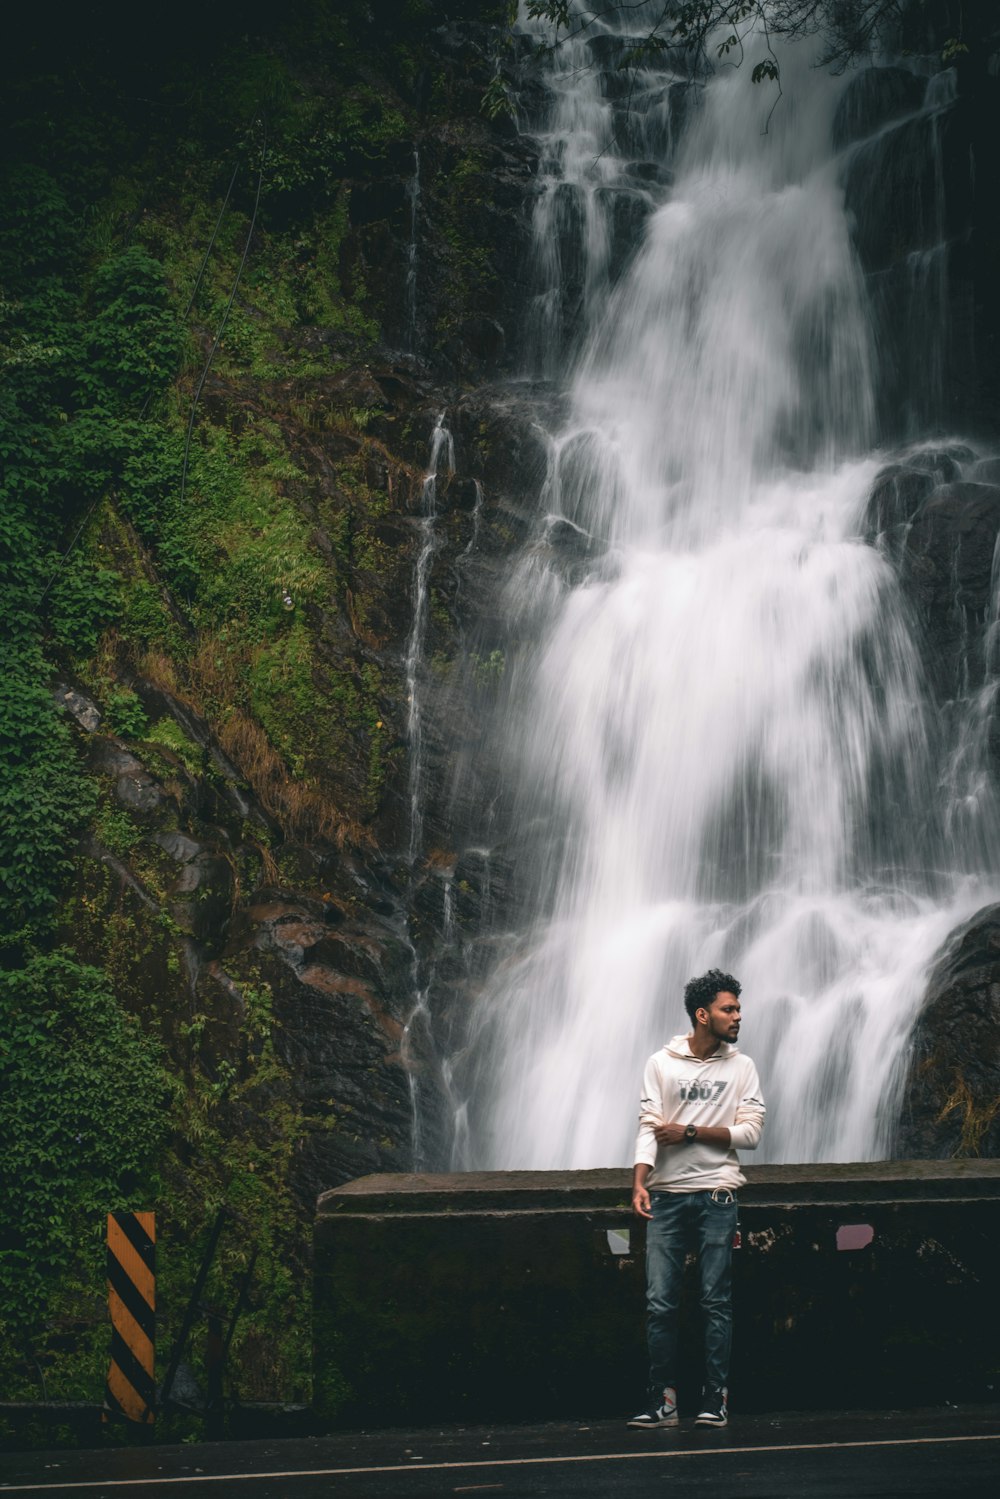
(212, 441)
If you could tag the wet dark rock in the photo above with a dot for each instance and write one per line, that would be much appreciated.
(83, 709)
(950, 547)
(499, 439)
(946, 571)
(479, 340)
(650, 171)
(607, 49)
(927, 233)
(349, 1077)
(202, 899)
(986, 471)
(340, 993)
(650, 123)
(686, 99)
(896, 496)
(891, 190)
(464, 494)
(137, 791)
(109, 757)
(201, 895)
(569, 216)
(873, 98)
(533, 98)
(371, 202)
(945, 464)
(627, 212)
(123, 874)
(466, 247)
(430, 894)
(460, 42)
(953, 1081)
(569, 540)
(178, 846)
(617, 84)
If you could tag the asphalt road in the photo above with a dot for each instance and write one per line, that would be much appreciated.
(940, 1453)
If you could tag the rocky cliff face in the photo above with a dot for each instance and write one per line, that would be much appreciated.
(247, 872)
(926, 233)
(914, 148)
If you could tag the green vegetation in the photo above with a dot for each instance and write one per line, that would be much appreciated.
(82, 1094)
(199, 537)
(168, 733)
(487, 671)
(78, 361)
(124, 714)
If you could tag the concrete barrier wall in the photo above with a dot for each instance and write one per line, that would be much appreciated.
(520, 1295)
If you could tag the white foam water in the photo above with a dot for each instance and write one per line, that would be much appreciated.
(722, 730)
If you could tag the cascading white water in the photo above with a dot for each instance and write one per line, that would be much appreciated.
(721, 742)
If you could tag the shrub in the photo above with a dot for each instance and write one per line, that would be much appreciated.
(82, 1113)
(83, 599)
(44, 800)
(134, 340)
(124, 714)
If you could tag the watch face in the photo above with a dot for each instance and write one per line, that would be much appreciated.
(690, 1132)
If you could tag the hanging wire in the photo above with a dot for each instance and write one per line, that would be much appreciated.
(211, 244)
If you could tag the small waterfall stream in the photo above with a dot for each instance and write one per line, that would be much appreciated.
(720, 738)
(416, 1041)
(441, 442)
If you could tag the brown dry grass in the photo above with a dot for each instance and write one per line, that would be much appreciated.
(299, 806)
(215, 683)
(158, 669)
(269, 871)
(441, 859)
(976, 1119)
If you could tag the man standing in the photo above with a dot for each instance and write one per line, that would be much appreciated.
(700, 1099)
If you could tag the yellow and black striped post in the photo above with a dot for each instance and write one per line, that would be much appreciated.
(131, 1386)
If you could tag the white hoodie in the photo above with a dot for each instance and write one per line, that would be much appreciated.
(680, 1088)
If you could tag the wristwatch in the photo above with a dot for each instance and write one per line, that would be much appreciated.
(691, 1133)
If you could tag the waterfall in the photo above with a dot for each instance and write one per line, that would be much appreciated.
(441, 442)
(722, 745)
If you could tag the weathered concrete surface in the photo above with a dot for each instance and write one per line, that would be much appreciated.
(500, 1296)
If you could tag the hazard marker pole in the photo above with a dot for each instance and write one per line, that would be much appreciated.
(131, 1387)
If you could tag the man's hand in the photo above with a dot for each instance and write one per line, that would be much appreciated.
(641, 1206)
(669, 1134)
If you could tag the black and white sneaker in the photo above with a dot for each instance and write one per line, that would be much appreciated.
(662, 1412)
(714, 1409)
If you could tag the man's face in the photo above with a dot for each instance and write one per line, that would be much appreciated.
(723, 1017)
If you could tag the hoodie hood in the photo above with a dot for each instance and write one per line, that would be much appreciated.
(679, 1046)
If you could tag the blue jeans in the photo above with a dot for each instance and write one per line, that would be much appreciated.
(705, 1222)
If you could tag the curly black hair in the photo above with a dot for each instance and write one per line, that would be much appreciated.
(699, 993)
